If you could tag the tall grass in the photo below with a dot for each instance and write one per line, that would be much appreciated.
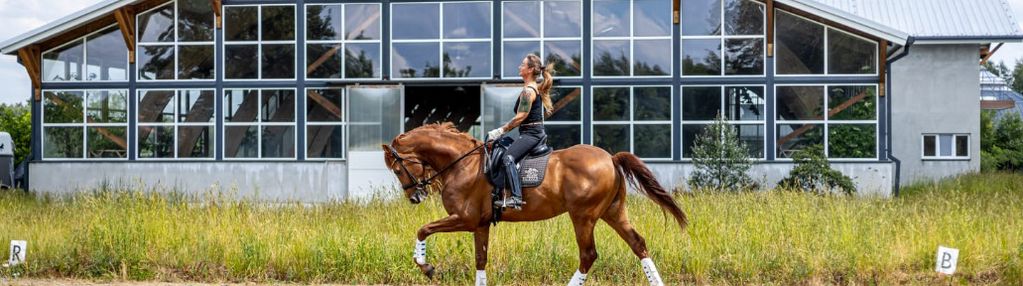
(773, 237)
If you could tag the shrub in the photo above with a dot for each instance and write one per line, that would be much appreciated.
(720, 160)
(1001, 142)
(812, 173)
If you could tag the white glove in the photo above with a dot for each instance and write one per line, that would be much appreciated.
(494, 134)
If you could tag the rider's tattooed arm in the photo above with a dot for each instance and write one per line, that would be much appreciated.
(526, 99)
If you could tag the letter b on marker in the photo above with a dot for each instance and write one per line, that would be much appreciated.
(946, 260)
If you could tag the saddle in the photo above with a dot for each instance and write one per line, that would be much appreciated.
(532, 168)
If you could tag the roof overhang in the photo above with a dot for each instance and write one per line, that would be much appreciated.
(849, 20)
(61, 25)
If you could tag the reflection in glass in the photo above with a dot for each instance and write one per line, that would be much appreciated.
(744, 17)
(466, 59)
(611, 18)
(241, 106)
(62, 142)
(652, 18)
(567, 104)
(108, 57)
(324, 105)
(652, 104)
(701, 57)
(744, 103)
(157, 25)
(240, 23)
(378, 120)
(701, 17)
(793, 138)
(413, 60)
(564, 56)
(156, 62)
(106, 142)
(195, 62)
(278, 23)
(362, 21)
(156, 106)
(467, 20)
(514, 52)
(701, 103)
(611, 104)
(521, 19)
(848, 54)
(852, 141)
(277, 105)
(753, 137)
(195, 142)
(241, 142)
(611, 58)
(323, 22)
(325, 141)
(744, 56)
(278, 141)
(800, 45)
(106, 106)
(852, 103)
(278, 61)
(362, 60)
(651, 141)
(196, 106)
(653, 57)
(156, 142)
(929, 146)
(962, 146)
(63, 106)
(195, 21)
(689, 134)
(241, 61)
(800, 102)
(415, 21)
(563, 136)
(613, 138)
(562, 18)
(64, 63)
(323, 60)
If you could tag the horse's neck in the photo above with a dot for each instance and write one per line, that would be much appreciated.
(440, 156)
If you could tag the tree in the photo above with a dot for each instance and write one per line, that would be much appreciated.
(721, 161)
(16, 119)
(1016, 80)
(812, 173)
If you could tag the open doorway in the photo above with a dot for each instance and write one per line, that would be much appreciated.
(460, 105)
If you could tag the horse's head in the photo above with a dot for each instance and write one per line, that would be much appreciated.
(410, 170)
(409, 156)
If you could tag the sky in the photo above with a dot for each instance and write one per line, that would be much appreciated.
(19, 16)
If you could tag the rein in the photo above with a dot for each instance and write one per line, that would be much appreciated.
(420, 185)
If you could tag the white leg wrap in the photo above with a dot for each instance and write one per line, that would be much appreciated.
(419, 254)
(481, 278)
(578, 279)
(651, 272)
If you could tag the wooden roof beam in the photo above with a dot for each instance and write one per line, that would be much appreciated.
(126, 22)
(988, 55)
(770, 28)
(31, 59)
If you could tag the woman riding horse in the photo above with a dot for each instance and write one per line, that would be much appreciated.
(529, 116)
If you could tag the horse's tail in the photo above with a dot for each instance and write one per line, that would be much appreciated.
(635, 171)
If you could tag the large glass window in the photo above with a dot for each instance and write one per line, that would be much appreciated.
(552, 29)
(85, 124)
(633, 119)
(259, 123)
(723, 37)
(175, 41)
(343, 41)
(325, 123)
(441, 40)
(101, 56)
(176, 124)
(631, 38)
(806, 47)
(259, 42)
(743, 107)
(842, 118)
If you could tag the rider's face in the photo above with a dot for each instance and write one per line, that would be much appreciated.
(524, 68)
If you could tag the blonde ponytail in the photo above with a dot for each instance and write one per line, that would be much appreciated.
(545, 91)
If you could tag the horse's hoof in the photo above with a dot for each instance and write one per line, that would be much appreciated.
(428, 270)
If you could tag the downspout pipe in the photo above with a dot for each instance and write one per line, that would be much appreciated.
(888, 85)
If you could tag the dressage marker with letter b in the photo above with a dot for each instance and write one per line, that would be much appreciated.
(946, 260)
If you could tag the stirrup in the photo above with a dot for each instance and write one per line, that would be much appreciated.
(507, 203)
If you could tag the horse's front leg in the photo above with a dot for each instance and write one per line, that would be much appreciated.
(482, 236)
(451, 223)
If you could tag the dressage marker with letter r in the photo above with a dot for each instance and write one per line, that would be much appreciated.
(18, 248)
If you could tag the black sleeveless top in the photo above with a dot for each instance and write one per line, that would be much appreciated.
(535, 111)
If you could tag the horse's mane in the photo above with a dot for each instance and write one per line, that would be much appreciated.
(446, 127)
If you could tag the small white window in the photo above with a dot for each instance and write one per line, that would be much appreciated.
(946, 146)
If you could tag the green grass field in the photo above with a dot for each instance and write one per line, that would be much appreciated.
(748, 238)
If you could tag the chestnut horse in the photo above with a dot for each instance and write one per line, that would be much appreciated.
(584, 181)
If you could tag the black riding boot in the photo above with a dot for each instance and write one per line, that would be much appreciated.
(514, 183)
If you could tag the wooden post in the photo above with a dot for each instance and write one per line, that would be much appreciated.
(882, 67)
(770, 28)
(31, 59)
(126, 21)
(676, 14)
(217, 4)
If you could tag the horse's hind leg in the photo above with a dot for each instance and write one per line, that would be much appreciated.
(617, 217)
(587, 248)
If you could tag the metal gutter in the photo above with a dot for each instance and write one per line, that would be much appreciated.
(891, 156)
(947, 40)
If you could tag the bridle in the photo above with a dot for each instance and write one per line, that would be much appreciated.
(415, 182)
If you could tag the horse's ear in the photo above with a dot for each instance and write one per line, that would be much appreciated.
(383, 147)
